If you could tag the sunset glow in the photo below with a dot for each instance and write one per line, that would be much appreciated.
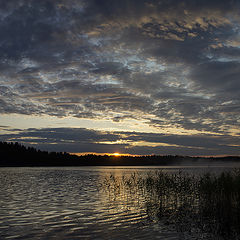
(116, 154)
(120, 119)
(135, 77)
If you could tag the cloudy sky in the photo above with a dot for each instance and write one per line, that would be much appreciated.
(129, 76)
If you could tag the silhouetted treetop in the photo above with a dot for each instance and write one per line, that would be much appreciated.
(18, 155)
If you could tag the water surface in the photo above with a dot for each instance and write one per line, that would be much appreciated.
(65, 203)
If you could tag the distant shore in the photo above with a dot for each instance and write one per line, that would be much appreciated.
(17, 155)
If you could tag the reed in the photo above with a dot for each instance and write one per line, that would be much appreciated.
(207, 205)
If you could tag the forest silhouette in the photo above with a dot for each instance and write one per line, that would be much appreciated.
(18, 155)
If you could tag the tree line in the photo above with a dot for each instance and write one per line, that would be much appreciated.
(18, 155)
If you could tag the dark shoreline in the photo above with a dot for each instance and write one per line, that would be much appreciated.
(17, 155)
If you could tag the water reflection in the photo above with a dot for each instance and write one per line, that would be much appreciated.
(195, 207)
(86, 203)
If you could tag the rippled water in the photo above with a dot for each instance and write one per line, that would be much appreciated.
(65, 203)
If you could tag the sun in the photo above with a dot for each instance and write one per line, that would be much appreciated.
(116, 154)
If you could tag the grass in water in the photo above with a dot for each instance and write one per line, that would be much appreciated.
(207, 205)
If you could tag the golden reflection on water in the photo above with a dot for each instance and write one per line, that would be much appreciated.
(193, 206)
(113, 203)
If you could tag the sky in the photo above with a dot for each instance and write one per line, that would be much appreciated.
(131, 76)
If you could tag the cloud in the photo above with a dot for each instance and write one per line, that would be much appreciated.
(217, 75)
(166, 63)
(86, 140)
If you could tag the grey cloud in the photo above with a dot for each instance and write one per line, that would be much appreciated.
(227, 52)
(220, 75)
(22, 30)
(86, 140)
(91, 58)
(110, 68)
(66, 139)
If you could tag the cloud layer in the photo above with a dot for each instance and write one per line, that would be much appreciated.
(171, 64)
(82, 140)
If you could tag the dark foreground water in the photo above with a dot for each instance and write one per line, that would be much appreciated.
(68, 203)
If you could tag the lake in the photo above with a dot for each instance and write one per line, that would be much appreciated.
(68, 203)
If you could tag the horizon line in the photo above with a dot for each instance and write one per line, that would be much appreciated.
(142, 155)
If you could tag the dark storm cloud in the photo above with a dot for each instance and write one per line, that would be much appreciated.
(85, 140)
(167, 63)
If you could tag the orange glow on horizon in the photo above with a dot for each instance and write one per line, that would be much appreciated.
(138, 155)
(116, 154)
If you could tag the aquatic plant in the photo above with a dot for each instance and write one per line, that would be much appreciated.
(206, 205)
